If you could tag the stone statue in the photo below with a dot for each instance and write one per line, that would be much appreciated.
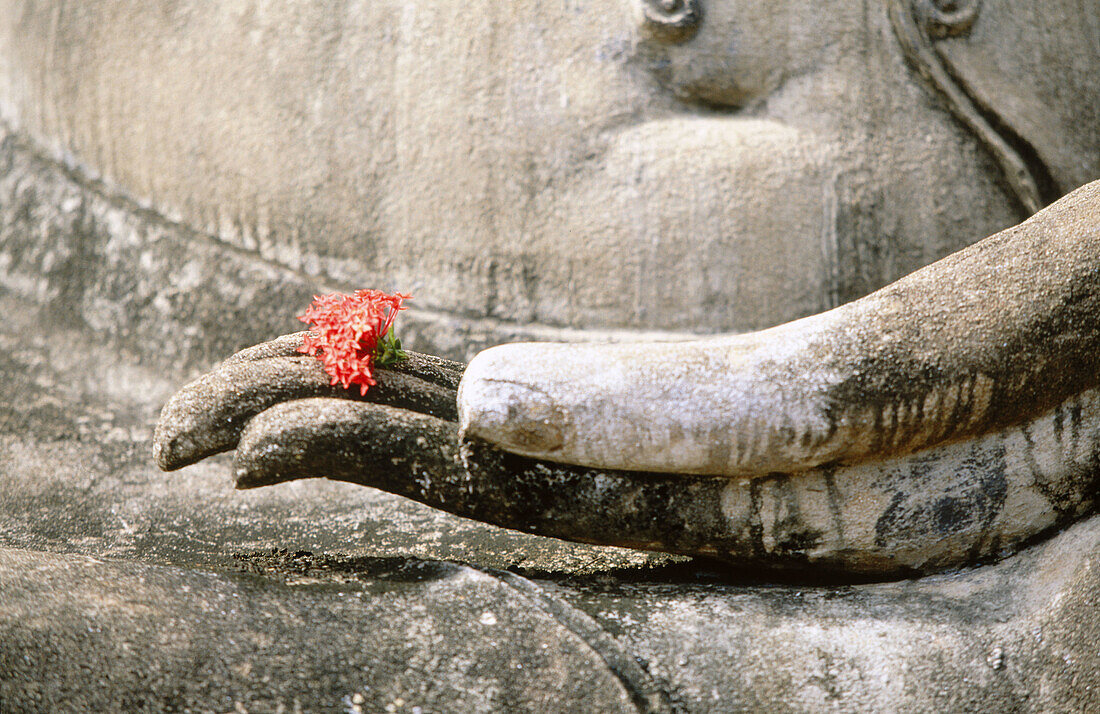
(894, 434)
(753, 229)
(945, 419)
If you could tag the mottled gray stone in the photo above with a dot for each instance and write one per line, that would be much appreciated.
(85, 634)
(553, 165)
(130, 588)
(224, 163)
(122, 587)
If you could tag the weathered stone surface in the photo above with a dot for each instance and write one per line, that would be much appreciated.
(173, 295)
(526, 169)
(953, 351)
(85, 517)
(79, 477)
(542, 164)
(947, 419)
(115, 581)
(124, 587)
(83, 634)
(1014, 637)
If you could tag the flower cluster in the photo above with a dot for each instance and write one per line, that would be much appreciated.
(352, 334)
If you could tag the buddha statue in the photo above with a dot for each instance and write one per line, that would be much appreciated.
(804, 290)
(778, 166)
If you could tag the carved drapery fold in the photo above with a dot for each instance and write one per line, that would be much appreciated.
(917, 24)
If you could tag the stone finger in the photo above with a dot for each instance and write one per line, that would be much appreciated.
(282, 346)
(206, 417)
(984, 339)
(421, 457)
(437, 370)
(375, 445)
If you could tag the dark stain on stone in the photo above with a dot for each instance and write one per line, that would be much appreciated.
(1042, 484)
(1028, 335)
(793, 538)
(380, 573)
(891, 521)
(876, 428)
(718, 453)
(926, 512)
(1075, 421)
(829, 474)
(756, 525)
(807, 437)
(949, 514)
(868, 251)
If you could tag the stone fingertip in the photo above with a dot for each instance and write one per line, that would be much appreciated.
(244, 479)
(497, 403)
(249, 472)
(161, 456)
(172, 452)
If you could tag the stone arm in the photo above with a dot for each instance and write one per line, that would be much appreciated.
(950, 418)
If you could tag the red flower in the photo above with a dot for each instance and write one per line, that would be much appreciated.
(351, 334)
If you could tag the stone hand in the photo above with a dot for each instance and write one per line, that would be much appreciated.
(276, 407)
(207, 416)
(949, 418)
